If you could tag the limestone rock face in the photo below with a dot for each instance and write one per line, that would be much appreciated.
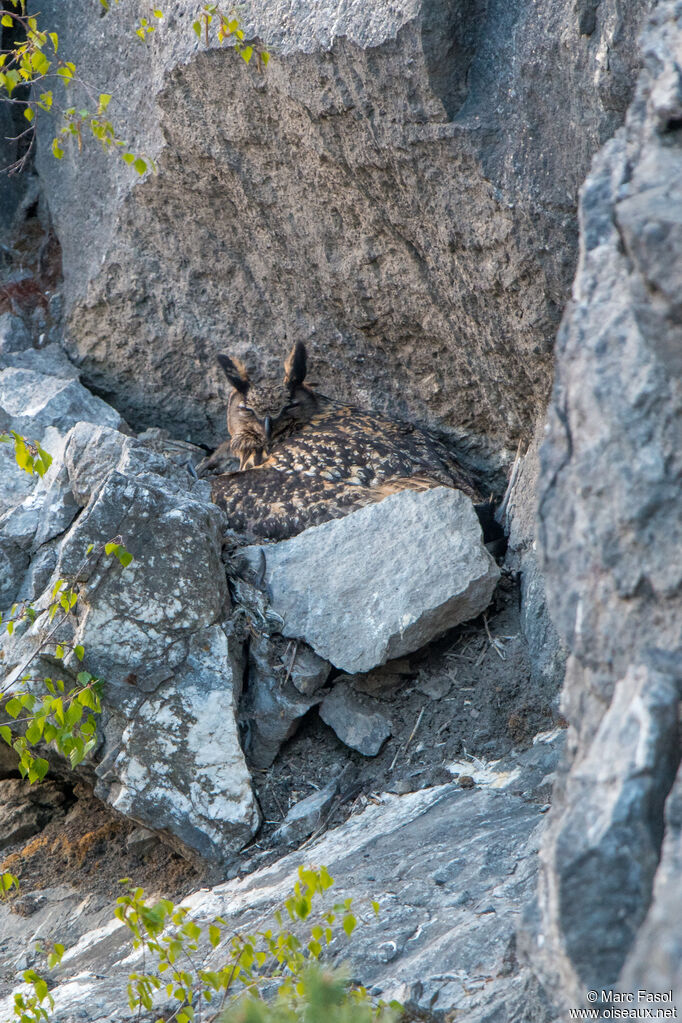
(398, 189)
(383, 581)
(611, 535)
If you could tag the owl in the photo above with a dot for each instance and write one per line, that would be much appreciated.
(306, 458)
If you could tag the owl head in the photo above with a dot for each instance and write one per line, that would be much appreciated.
(248, 420)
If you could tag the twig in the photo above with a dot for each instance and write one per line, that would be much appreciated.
(274, 796)
(501, 512)
(322, 827)
(291, 665)
(495, 643)
(412, 734)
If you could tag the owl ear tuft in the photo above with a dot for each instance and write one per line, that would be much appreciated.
(295, 366)
(235, 372)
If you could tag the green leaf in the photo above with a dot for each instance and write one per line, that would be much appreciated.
(40, 63)
(13, 707)
(110, 548)
(196, 25)
(104, 101)
(74, 713)
(79, 652)
(6, 734)
(77, 753)
(349, 923)
(265, 57)
(55, 40)
(246, 54)
(140, 165)
(214, 935)
(34, 731)
(90, 549)
(43, 461)
(29, 114)
(59, 652)
(7, 21)
(8, 881)
(125, 557)
(40, 768)
(57, 150)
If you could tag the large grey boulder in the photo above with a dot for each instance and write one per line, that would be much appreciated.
(383, 581)
(655, 961)
(424, 244)
(169, 754)
(41, 398)
(451, 869)
(610, 537)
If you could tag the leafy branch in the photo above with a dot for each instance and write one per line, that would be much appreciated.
(31, 68)
(55, 715)
(29, 455)
(228, 27)
(180, 949)
(34, 63)
(240, 987)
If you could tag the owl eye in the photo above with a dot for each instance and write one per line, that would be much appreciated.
(246, 408)
(293, 404)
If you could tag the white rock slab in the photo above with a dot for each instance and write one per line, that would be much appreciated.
(383, 581)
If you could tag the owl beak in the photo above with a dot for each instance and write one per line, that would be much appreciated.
(267, 426)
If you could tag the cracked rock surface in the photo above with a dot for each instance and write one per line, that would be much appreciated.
(610, 535)
(169, 754)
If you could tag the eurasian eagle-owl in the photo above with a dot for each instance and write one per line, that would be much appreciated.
(306, 458)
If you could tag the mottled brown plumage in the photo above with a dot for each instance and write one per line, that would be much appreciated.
(273, 505)
(324, 457)
(315, 434)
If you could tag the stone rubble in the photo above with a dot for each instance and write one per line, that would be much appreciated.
(359, 722)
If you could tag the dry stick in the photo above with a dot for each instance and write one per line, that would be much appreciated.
(321, 827)
(279, 805)
(501, 512)
(495, 643)
(291, 665)
(412, 733)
